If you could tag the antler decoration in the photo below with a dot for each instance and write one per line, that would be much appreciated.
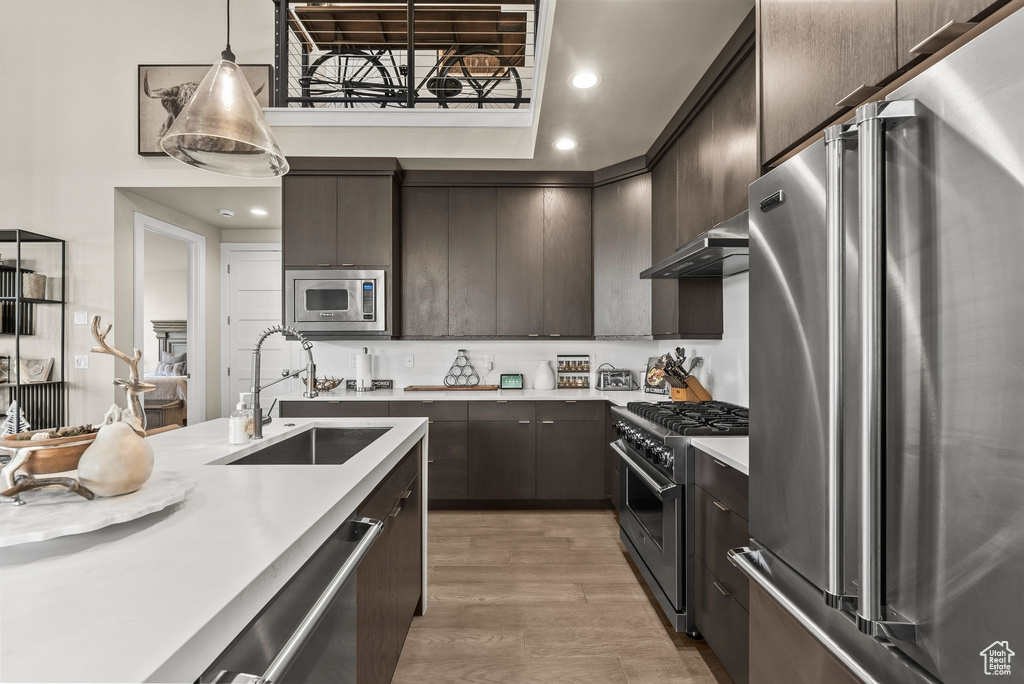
(133, 388)
(103, 347)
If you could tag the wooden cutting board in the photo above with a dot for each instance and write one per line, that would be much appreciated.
(443, 388)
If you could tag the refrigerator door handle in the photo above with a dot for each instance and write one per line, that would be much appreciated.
(835, 147)
(749, 562)
(870, 121)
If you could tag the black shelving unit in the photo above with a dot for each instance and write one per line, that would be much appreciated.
(44, 403)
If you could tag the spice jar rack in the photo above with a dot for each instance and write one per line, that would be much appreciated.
(573, 371)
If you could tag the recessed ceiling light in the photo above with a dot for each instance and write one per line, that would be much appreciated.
(565, 144)
(226, 213)
(585, 79)
(256, 211)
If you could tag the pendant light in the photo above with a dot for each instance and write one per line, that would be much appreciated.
(222, 128)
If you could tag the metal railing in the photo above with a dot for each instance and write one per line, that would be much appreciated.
(405, 53)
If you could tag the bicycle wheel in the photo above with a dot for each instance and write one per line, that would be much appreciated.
(350, 74)
(493, 76)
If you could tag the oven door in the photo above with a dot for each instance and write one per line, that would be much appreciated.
(651, 517)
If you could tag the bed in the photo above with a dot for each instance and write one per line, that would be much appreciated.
(168, 403)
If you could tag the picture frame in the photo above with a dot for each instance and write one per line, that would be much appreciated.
(5, 369)
(161, 97)
(35, 370)
(654, 378)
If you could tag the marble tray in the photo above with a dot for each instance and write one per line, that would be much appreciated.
(52, 513)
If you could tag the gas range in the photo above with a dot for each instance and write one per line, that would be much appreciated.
(657, 431)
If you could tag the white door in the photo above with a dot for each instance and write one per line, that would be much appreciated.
(253, 304)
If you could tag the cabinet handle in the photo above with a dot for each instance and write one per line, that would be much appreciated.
(430, 422)
(429, 461)
(943, 37)
(547, 422)
(720, 588)
(427, 401)
(524, 422)
(859, 94)
(720, 506)
(396, 510)
(406, 494)
(348, 264)
(719, 463)
(555, 335)
(324, 265)
(533, 335)
(501, 401)
(570, 401)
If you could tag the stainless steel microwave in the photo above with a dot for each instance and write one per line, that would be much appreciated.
(335, 301)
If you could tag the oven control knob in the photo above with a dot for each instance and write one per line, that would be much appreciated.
(665, 456)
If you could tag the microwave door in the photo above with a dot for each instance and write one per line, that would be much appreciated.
(325, 301)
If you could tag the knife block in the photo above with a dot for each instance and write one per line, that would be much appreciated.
(687, 390)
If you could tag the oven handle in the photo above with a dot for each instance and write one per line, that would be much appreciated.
(668, 491)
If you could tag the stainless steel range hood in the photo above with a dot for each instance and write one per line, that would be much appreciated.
(720, 252)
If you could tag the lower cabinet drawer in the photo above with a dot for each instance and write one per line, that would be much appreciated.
(719, 529)
(447, 466)
(723, 482)
(563, 410)
(334, 409)
(723, 623)
(383, 498)
(434, 410)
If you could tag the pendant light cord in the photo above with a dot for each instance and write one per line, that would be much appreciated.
(227, 53)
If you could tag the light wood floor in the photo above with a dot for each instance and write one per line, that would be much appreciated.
(531, 597)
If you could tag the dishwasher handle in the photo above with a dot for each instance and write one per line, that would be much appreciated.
(289, 652)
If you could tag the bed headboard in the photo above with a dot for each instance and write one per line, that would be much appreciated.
(172, 336)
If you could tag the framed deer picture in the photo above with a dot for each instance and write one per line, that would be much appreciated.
(165, 89)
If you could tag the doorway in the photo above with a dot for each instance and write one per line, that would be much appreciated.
(170, 319)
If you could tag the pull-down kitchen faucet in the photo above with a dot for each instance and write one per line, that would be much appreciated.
(258, 421)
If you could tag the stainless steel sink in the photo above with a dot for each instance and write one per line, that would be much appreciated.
(318, 446)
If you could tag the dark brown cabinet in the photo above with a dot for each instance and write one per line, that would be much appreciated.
(334, 409)
(568, 263)
(520, 261)
(448, 459)
(389, 578)
(309, 220)
(502, 460)
(695, 202)
(815, 54)
(734, 164)
(721, 591)
(333, 221)
(425, 262)
(367, 220)
(916, 20)
(570, 460)
(664, 241)
(471, 262)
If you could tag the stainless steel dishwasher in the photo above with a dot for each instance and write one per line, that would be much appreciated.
(307, 633)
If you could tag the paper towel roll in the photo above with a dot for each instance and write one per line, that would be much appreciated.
(364, 370)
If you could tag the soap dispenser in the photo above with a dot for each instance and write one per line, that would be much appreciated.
(240, 421)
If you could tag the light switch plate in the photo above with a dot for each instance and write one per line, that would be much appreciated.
(81, 361)
(81, 318)
(410, 361)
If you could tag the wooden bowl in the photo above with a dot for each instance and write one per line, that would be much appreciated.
(49, 455)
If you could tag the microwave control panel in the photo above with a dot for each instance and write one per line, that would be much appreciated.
(368, 300)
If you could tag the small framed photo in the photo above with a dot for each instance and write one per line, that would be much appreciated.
(165, 89)
(5, 369)
(654, 379)
(36, 370)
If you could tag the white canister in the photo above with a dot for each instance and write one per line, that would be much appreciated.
(544, 377)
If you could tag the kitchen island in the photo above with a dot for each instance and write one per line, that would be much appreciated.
(159, 598)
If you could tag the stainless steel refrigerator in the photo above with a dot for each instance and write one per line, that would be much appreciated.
(887, 378)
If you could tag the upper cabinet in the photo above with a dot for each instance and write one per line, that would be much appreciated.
(340, 220)
(310, 220)
(568, 263)
(814, 55)
(622, 248)
(425, 262)
(734, 164)
(472, 233)
(520, 254)
(695, 201)
(664, 241)
(918, 20)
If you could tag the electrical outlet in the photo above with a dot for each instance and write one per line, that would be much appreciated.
(351, 360)
(410, 361)
(81, 361)
(81, 318)
(489, 361)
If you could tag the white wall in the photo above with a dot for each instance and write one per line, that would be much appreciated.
(165, 293)
(65, 152)
(726, 370)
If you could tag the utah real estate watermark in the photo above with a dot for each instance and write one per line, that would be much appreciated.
(997, 658)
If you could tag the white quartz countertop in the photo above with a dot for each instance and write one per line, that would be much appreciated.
(733, 451)
(620, 398)
(158, 598)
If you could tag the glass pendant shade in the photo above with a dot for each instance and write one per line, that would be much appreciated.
(223, 129)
